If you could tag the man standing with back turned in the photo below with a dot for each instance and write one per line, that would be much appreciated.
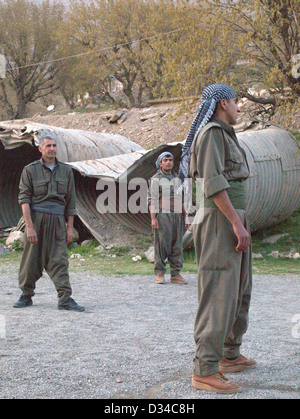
(47, 196)
(222, 241)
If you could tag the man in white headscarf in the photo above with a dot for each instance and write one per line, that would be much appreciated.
(222, 241)
(168, 217)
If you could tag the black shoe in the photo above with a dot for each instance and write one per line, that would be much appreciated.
(70, 305)
(24, 301)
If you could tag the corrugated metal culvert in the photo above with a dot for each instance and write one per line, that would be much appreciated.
(18, 147)
(273, 189)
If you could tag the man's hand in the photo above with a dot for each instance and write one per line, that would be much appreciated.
(31, 235)
(30, 231)
(154, 223)
(69, 235)
(187, 222)
(223, 202)
(69, 232)
(244, 239)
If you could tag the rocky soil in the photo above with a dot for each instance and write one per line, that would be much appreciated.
(152, 126)
(149, 127)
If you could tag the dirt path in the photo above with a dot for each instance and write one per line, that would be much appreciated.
(136, 340)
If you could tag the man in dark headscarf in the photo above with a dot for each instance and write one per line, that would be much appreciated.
(222, 240)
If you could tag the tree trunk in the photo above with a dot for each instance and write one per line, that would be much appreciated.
(3, 98)
(20, 106)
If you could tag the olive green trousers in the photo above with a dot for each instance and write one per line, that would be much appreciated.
(50, 253)
(224, 291)
(168, 243)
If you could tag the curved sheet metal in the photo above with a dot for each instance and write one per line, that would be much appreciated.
(120, 170)
(273, 189)
(18, 147)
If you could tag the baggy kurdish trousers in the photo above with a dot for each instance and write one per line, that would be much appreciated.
(224, 291)
(50, 253)
(168, 243)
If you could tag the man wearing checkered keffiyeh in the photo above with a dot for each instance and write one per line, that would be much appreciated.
(211, 96)
(222, 240)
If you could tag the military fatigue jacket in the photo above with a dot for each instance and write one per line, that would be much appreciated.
(39, 184)
(217, 157)
(162, 193)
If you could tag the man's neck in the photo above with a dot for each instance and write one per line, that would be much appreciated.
(49, 162)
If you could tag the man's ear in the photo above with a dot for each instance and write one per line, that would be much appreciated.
(223, 104)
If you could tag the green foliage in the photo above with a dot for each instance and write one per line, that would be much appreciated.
(296, 134)
(17, 246)
(129, 51)
(264, 38)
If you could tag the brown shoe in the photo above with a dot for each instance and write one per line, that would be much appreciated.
(177, 279)
(160, 279)
(241, 363)
(217, 383)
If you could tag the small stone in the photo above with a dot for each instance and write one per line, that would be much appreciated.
(257, 256)
(75, 256)
(86, 243)
(16, 237)
(150, 254)
(136, 258)
(274, 239)
(275, 254)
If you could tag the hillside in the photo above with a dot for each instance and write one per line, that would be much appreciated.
(152, 126)
(148, 127)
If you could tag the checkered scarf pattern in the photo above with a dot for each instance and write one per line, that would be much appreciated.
(211, 96)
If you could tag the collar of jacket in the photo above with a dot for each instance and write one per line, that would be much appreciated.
(161, 173)
(57, 163)
(227, 127)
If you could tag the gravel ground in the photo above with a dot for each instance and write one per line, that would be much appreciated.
(135, 340)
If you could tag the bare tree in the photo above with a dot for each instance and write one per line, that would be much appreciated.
(265, 37)
(27, 41)
(121, 37)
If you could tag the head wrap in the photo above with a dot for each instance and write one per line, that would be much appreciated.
(211, 96)
(161, 156)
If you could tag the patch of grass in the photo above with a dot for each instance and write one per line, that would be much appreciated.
(296, 134)
(271, 266)
(117, 261)
(291, 226)
(281, 265)
(122, 265)
(11, 259)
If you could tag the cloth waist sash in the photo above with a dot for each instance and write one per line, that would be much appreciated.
(49, 208)
(236, 193)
